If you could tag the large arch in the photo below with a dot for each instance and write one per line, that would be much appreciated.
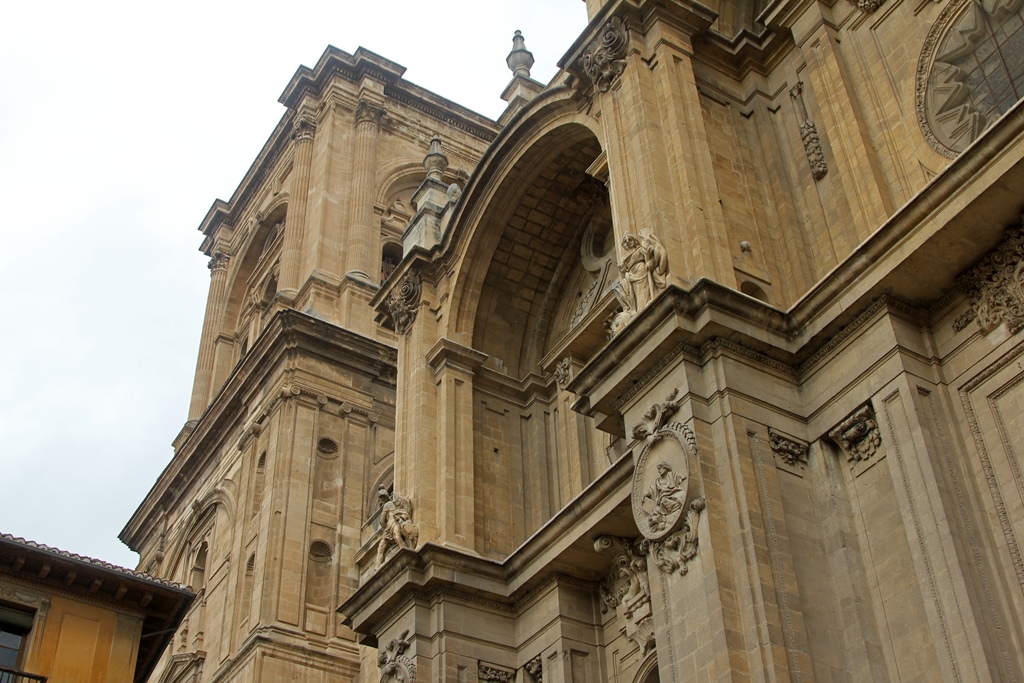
(518, 232)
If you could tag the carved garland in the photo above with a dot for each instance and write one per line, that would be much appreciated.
(403, 302)
(858, 435)
(489, 673)
(394, 664)
(995, 287)
(791, 452)
(603, 59)
(563, 372)
(809, 135)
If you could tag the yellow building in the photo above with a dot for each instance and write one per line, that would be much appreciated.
(701, 363)
(67, 618)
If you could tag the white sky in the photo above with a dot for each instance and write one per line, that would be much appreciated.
(120, 123)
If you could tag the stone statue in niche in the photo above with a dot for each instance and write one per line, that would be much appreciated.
(643, 273)
(397, 529)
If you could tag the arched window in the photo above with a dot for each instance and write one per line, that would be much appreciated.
(390, 256)
(197, 578)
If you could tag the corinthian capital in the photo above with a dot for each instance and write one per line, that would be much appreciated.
(368, 112)
(303, 128)
(219, 262)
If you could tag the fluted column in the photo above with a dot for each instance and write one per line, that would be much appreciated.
(291, 250)
(360, 259)
(215, 303)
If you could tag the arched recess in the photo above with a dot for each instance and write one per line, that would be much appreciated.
(521, 220)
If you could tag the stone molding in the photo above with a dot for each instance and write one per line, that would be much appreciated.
(394, 664)
(403, 302)
(604, 59)
(858, 435)
(627, 588)
(995, 287)
(790, 451)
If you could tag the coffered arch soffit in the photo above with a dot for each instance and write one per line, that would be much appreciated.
(522, 199)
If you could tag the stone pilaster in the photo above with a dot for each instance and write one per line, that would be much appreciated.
(303, 130)
(215, 303)
(360, 257)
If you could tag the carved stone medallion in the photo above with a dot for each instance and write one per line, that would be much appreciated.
(661, 482)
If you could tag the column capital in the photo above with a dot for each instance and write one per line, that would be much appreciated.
(368, 112)
(303, 128)
(218, 262)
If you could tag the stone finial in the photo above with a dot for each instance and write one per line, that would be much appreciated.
(435, 162)
(519, 60)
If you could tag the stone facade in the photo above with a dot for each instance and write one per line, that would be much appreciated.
(702, 363)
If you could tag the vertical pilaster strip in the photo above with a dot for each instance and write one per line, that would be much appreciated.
(360, 261)
(215, 303)
(303, 130)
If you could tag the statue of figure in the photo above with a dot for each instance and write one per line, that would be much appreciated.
(668, 493)
(397, 528)
(643, 273)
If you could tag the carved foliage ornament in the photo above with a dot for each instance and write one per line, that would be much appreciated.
(995, 287)
(535, 667)
(219, 262)
(394, 664)
(791, 452)
(809, 135)
(303, 128)
(563, 372)
(603, 60)
(627, 588)
(490, 673)
(869, 6)
(403, 302)
(858, 435)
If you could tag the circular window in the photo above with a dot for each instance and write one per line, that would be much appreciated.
(971, 71)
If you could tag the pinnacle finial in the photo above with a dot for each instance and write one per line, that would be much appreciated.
(436, 161)
(520, 59)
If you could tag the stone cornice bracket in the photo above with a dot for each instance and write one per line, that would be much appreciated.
(394, 664)
(788, 450)
(403, 302)
(995, 287)
(563, 372)
(219, 261)
(809, 135)
(490, 673)
(368, 112)
(604, 59)
(303, 128)
(297, 390)
(858, 435)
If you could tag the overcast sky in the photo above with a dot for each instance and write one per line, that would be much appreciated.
(120, 123)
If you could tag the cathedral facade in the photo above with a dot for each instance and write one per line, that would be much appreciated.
(703, 362)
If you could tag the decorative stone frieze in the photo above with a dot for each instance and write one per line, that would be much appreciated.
(809, 135)
(403, 302)
(627, 588)
(995, 287)
(535, 667)
(397, 529)
(394, 664)
(563, 372)
(643, 274)
(789, 451)
(858, 435)
(672, 554)
(603, 60)
(490, 673)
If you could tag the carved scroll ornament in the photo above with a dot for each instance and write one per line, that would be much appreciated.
(788, 450)
(627, 589)
(403, 302)
(858, 435)
(603, 60)
(394, 664)
(490, 673)
(995, 287)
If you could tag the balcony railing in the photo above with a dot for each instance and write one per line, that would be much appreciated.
(15, 676)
